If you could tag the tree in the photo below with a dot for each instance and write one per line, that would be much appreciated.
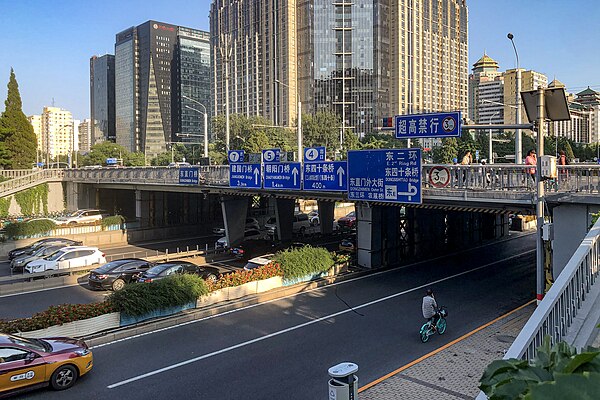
(101, 151)
(321, 129)
(569, 152)
(134, 160)
(447, 152)
(257, 141)
(17, 132)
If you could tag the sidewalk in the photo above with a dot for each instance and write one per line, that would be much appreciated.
(453, 372)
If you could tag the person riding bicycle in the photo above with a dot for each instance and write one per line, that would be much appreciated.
(430, 308)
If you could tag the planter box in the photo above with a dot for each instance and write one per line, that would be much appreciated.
(236, 292)
(130, 320)
(213, 297)
(78, 328)
(268, 284)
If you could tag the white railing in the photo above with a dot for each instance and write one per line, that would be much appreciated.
(556, 312)
(16, 173)
(33, 178)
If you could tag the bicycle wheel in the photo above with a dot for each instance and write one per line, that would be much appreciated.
(441, 326)
(425, 332)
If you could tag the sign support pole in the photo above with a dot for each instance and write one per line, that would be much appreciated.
(540, 198)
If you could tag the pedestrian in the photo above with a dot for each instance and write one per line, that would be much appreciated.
(562, 158)
(467, 159)
(531, 159)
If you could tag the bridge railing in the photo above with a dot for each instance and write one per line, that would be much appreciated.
(16, 173)
(557, 311)
(31, 179)
(211, 175)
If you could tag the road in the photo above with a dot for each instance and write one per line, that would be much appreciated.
(26, 304)
(282, 349)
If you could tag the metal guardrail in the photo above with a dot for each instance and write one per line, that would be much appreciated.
(556, 312)
(32, 179)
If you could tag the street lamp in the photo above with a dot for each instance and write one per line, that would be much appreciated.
(518, 145)
(299, 119)
(205, 122)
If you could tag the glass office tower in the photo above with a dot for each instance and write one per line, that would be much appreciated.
(102, 99)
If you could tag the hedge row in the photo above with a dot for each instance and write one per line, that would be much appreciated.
(304, 261)
(29, 228)
(112, 220)
(176, 290)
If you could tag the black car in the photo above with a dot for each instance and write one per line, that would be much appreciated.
(161, 271)
(116, 274)
(44, 242)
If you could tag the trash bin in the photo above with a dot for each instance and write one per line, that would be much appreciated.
(343, 384)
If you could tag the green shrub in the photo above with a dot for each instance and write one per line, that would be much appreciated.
(29, 228)
(304, 261)
(56, 315)
(557, 372)
(113, 220)
(143, 298)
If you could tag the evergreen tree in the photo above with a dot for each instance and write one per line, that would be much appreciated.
(569, 152)
(17, 133)
(447, 152)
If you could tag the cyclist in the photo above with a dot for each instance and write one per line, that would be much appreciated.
(430, 309)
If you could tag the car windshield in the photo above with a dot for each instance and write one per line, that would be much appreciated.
(55, 256)
(252, 265)
(351, 214)
(157, 269)
(39, 243)
(33, 344)
(74, 214)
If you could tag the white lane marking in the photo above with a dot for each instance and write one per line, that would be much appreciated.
(303, 325)
(39, 290)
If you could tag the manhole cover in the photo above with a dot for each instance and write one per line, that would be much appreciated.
(505, 338)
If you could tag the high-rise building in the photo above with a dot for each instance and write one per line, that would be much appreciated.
(362, 59)
(530, 80)
(486, 92)
(36, 123)
(85, 135)
(57, 132)
(147, 68)
(102, 98)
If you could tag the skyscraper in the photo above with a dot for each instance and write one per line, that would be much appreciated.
(85, 135)
(362, 59)
(486, 92)
(102, 98)
(57, 132)
(147, 79)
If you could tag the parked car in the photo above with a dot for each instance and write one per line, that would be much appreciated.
(161, 271)
(249, 234)
(251, 248)
(43, 242)
(348, 244)
(116, 274)
(67, 257)
(348, 222)
(17, 265)
(251, 223)
(299, 224)
(179, 164)
(258, 262)
(88, 216)
(30, 363)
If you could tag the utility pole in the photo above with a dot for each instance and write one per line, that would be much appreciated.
(518, 142)
(540, 279)
(225, 48)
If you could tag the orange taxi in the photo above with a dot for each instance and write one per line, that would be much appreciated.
(30, 363)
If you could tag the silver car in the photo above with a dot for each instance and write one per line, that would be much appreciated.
(19, 263)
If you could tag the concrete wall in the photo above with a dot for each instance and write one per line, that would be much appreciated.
(56, 200)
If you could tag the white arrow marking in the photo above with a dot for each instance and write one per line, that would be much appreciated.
(256, 175)
(412, 191)
(295, 174)
(340, 173)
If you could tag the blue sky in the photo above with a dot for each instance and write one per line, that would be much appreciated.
(49, 43)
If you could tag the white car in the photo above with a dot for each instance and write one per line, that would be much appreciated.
(67, 257)
(88, 216)
(300, 224)
(313, 217)
(258, 262)
(249, 234)
(251, 223)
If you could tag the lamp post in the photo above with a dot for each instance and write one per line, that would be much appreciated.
(205, 122)
(518, 145)
(491, 154)
(299, 119)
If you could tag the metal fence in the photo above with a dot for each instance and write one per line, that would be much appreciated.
(556, 312)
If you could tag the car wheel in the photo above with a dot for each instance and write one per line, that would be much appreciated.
(211, 278)
(118, 284)
(64, 377)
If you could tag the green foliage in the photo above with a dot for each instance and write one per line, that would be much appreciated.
(29, 228)
(56, 315)
(304, 261)
(15, 130)
(143, 298)
(465, 143)
(321, 129)
(4, 206)
(112, 220)
(34, 200)
(134, 160)
(569, 152)
(546, 375)
(445, 153)
(101, 151)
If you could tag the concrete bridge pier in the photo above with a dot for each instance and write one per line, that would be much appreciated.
(426, 232)
(235, 210)
(326, 216)
(284, 213)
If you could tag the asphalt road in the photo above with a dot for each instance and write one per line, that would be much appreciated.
(26, 304)
(282, 349)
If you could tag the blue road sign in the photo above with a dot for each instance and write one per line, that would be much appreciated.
(271, 155)
(314, 154)
(328, 175)
(427, 125)
(245, 175)
(283, 175)
(235, 156)
(392, 176)
(188, 176)
(111, 161)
